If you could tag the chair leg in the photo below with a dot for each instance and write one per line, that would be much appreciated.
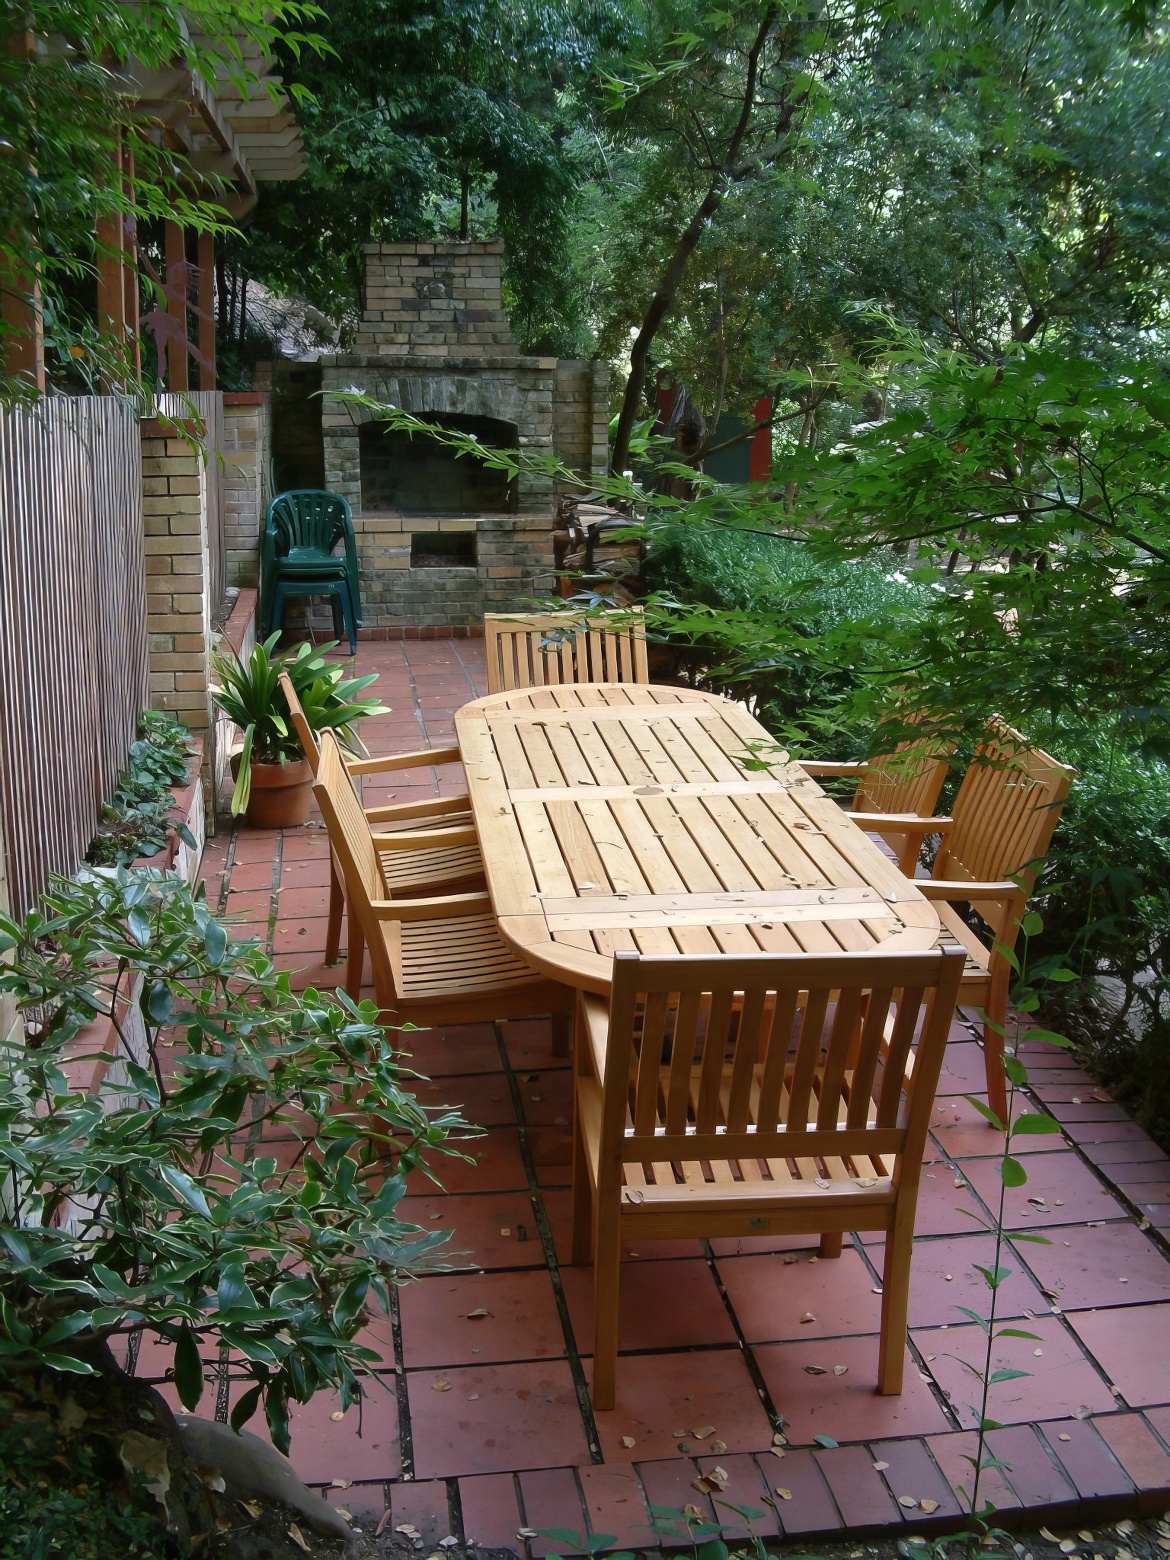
(895, 1302)
(606, 1277)
(582, 1238)
(349, 617)
(336, 908)
(355, 959)
(832, 1243)
(336, 609)
(996, 1077)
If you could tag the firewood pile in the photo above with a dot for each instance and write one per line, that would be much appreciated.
(591, 552)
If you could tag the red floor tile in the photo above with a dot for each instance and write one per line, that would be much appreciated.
(962, 1133)
(1132, 1346)
(253, 845)
(491, 1517)
(425, 1506)
(496, 1230)
(662, 1305)
(943, 1208)
(1141, 1453)
(1070, 1191)
(442, 1324)
(1110, 1265)
(745, 1492)
(616, 1505)
(670, 1485)
(861, 1494)
(303, 904)
(846, 1407)
(807, 1506)
(363, 1444)
(1035, 1476)
(658, 1394)
(546, 1098)
(963, 1070)
(249, 877)
(911, 1471)
(934, 1297)
(484, 1099)
(529, 1044)
(771, 1296)
(1061, 1377)
(495, 1419)
(492, 1164)
(469, 1048)
(552, 1500)
(1086, 1459)
(296, 935)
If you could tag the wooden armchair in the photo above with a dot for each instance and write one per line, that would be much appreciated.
(990, 848)
(439, 960)
(908, 780)
(537, 650)
(741, 1096)
(443, 856)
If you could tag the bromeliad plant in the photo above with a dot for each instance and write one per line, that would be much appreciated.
(139, 1205)
(248, 693)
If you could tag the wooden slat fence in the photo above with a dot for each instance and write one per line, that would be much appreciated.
(73, 644)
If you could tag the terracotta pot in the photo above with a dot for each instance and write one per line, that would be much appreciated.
(281, 794)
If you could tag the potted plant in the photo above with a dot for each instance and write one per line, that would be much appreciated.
(273, 780)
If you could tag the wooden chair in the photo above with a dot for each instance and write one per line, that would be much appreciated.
(536, 650)
(443, 857)
(907, 780)
(990, 848)
(439, 960)
(736, 1096)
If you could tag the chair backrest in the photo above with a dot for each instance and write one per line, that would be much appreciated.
(908, 780)
(774, 1056)
(300, 725)
(308, 518)
(538, 650)
(1005, 812)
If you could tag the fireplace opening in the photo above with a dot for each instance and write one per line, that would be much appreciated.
(419, 475)
(442, 550)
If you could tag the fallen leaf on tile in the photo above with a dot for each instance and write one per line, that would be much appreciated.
(1144, 1225)
(473, 1397)
(816, 1370)
(881, 1466)
(1064, 1436)
(826, 1441)
(808, 1317)
(840, 1370)
(505, 1230)
(440, 1386)
(960, 1185)
(676, 1435)
(449, 1542)
(628, 1440)
(527, 1533)
(779, 1439)
(783, 1493)
(409, 1529)
(718, 1448)
(777, 1451)
(383, 1523)
(1038, 1352)
(536, 1098)
(341, 1484)
(928, 1506)
(693, 1512)
(909, 1501)
(298, 1537)
(1082, 1412)
(478, 1315)
(703, 1432)
(338, 1413)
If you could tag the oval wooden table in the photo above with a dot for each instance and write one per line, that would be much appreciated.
(636, 816)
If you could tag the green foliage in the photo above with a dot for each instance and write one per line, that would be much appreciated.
(137, 819)
(249, 693)
(759, 616)
(64, 96)
(76, 1511)
(138, 1205)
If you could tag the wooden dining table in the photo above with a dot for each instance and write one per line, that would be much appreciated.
(632, 815)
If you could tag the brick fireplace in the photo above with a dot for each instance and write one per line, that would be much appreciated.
(443, 540)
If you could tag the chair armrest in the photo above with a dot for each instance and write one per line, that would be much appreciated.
(421, 758)
(594, 1013)
(943, 888)
(426, 839)
(433, 807)
(431, 909)
(901, 823)
(828, 768)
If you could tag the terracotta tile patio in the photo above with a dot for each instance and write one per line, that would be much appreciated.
(479, 1427)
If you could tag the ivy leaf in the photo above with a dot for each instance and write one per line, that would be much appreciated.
(188, 1369)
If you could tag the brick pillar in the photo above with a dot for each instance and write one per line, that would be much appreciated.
(174, 504)
(245, 483)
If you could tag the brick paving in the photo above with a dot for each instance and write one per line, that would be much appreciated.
(713, 1332)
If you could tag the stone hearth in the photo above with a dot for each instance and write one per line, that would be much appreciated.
(441, 541)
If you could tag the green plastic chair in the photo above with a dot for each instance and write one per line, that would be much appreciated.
(301, 530)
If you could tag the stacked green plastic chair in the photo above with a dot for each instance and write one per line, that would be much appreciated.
(301, 531)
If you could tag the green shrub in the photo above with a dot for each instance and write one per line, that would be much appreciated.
(756, 616)
(136, 820)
